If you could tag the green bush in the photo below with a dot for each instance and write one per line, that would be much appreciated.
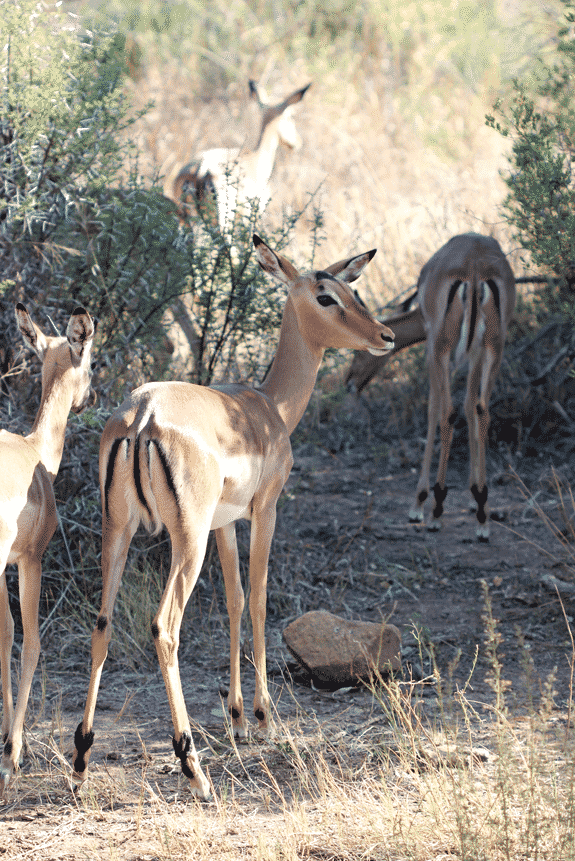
(540, 204)
(78, 225)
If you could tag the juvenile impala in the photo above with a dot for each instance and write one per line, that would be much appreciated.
(236, 177)
(194, 459)
(466, 293)
(28, 467)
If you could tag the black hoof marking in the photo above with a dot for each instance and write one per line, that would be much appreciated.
(260, 714)
(155, 630)
(8, 748)
(182, 749)
(82, 743)
(481, 498)
(439, 494)
(479, 409)
(422, 496)
(452, 417)
(102, 623)
(235, 713)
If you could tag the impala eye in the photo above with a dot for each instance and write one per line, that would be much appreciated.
(325, 300)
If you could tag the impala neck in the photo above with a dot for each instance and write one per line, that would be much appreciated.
(265, 153)
(293, 373)
(49, 429)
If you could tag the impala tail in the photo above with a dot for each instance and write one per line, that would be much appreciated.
(128, 467)
(480, 301)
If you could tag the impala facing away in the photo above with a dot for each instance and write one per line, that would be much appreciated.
(28, 466)
(194, 459)
(466, 293)
(236, 177)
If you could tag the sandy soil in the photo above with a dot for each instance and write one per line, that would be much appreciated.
(342, 543)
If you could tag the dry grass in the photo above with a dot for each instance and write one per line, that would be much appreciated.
(402, 171)
(398, 163)
(409, 782)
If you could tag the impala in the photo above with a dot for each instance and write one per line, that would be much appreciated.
(466, 293)
(28, 466)
(236, 177)
(408, 329)
(194, 459)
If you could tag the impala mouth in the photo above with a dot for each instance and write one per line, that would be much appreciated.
(375, 352)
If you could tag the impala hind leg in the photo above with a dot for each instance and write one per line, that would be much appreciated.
(228, 553)
(115, 546)
(440, 411)
(187, 557)
(29, 578)
(480, 383)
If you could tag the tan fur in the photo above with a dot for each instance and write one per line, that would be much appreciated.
(197, 458)
(233, 176)
(408, 329)
(454, 334)
(28, 466)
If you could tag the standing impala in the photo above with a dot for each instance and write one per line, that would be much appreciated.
(466, 293)
(28, 467)
(236, 177)
(194, 459)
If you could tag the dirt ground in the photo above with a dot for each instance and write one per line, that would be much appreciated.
(342, 543)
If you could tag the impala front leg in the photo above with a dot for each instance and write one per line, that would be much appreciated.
(263, 525)
(6, 643)
(29, 576)
(228, 553)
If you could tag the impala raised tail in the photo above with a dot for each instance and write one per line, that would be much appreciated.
(197, 458)
(28, 466)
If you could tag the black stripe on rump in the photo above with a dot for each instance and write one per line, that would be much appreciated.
(496, 296)
(138, 477)
(452, 291)
(110, 470)
(167, 472)
(473, 320)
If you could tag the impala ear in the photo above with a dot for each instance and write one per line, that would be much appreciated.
(297, 96)
(274, 264)
(254, 92)
(350, 269)
(34, 337)
(80, 331)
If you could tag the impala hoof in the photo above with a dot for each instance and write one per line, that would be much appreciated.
(434, 526)
(6, 775)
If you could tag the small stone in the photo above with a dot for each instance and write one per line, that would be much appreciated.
(338, 653)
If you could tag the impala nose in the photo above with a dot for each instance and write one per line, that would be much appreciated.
(389, 338)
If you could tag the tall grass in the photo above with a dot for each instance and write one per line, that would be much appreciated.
(393, 127)
(438, 778)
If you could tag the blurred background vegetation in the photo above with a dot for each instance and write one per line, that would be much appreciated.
(101, 101)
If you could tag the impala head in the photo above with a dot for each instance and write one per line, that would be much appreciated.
(327, 309)
(282, 116)
(72, 352)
